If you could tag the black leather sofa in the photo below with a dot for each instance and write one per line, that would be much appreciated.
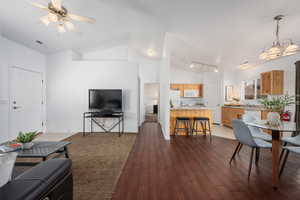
(49, 180)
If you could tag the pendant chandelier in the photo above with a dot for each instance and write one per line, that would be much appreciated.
(279, 48)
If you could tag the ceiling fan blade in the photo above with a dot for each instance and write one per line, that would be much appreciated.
(81, 18)
(70, 26)
(39, 5)
(57, 4)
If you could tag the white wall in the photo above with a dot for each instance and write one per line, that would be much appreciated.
(114, 53)
(67, 90)
(183, 76)
(14, 54)
(149, 71)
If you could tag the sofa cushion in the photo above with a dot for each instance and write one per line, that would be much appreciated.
(37, 181)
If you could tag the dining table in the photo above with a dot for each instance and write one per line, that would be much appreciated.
(276, 132)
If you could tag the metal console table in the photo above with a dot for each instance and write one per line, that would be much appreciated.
(100, 115)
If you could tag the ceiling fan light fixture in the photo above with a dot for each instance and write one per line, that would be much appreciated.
(70, 26)
(57, 13)
(45, 20)
(52, 17)
(61, 28)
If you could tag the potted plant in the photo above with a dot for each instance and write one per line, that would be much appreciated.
(26, 139)
(275, 106)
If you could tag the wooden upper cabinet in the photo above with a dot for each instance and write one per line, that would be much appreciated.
(182, 87)
(272, 82)
(265, 83)
(277, 78)
(177, 87)
(201, 90)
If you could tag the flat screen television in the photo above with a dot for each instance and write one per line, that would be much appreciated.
(105, 99)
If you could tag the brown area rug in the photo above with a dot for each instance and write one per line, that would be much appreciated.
(98, 160)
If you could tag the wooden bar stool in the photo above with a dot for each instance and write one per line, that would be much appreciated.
(185, 121)
(205, 126)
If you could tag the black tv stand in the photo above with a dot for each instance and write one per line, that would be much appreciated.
(93, 115)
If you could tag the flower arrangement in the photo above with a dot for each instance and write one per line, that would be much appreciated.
(277, 103)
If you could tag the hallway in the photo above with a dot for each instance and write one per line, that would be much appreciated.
(192, 168)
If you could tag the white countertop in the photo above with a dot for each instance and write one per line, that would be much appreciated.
(250, 108)
(191, 108)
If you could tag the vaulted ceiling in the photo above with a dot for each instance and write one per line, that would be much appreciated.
(217, 32)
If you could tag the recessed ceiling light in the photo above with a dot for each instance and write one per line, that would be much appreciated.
(151, 52)
(39, 42)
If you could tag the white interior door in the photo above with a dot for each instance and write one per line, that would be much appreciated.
(26, 99)
(212, 91)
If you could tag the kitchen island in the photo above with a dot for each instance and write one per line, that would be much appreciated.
(190, 112)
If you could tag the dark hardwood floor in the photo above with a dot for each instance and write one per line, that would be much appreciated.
(192, 168)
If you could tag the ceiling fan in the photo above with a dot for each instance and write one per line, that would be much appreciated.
(57, 13)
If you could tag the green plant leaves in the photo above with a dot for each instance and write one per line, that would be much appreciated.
(26, 137)
(277, 104)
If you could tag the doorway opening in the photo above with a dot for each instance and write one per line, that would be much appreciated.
(151, 102)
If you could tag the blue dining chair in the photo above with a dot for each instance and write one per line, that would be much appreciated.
(288, 149)
(292, 140)
(244, 137)
(255, 131)
(295, 141)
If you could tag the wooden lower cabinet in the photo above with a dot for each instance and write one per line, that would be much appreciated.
(190, 113)
(228, 114)
(264, 114)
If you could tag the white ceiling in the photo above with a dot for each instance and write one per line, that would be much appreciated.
(218, 32)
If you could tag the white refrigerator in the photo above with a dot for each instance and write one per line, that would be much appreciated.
(175, 98)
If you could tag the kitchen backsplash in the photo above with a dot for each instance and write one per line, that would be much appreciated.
(191, 101)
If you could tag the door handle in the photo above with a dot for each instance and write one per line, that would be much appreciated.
(16, 107)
